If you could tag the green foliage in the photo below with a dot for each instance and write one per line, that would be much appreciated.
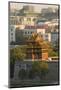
(36, 66)
(39, 68)
(44, 68)
(54, 50)
(52, 53)
(17, 53)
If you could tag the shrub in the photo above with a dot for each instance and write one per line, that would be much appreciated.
(44, 69)
(40, 69)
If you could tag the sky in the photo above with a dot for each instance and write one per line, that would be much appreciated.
(37, 7)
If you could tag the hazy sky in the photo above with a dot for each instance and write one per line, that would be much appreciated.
(37, 7)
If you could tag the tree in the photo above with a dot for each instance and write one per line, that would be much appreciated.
(17, 53)
(54, 50)
(35, 70)
(39, 69)
(44, 69)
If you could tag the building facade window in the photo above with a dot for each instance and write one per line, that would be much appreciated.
(12, 34)
(28, 32)
(25, 32)
(31, 32)
(11, 29)
(12, 38)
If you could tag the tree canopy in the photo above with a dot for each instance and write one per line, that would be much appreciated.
(17, 53)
